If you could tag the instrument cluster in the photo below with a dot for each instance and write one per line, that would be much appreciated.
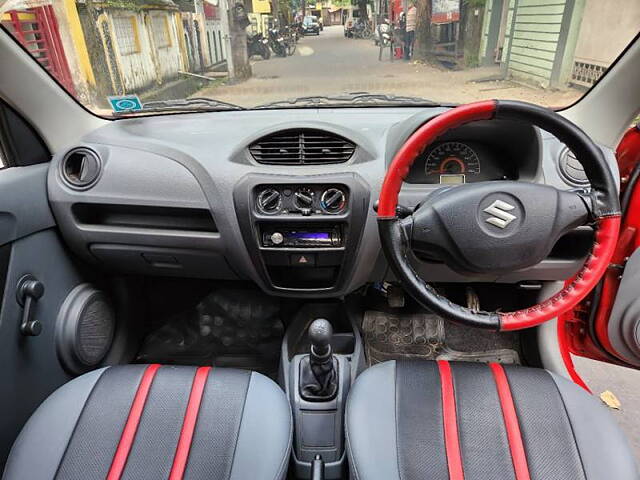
(456, 161)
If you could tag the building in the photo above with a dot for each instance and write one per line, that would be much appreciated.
(260, 17)
(559, 43)
(100, 48)
(133, 50)
(38, 31)
(216, 35)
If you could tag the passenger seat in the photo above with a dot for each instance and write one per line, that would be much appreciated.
(151, 422)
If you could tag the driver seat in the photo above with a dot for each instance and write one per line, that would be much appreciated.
(469, 421)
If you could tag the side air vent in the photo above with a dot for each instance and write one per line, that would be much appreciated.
(302, 147)
(80, 168)
(571, 169)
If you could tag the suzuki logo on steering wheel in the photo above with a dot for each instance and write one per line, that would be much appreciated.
(501, 217)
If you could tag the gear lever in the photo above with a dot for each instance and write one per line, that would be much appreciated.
(318, 371)
(320, 334)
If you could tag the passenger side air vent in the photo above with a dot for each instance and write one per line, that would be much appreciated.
(80, 168)
(302, 147)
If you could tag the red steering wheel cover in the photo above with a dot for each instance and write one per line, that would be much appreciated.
(420, 139)
(607, 226)
(606, 237)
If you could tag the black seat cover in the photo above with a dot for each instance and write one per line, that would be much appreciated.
(150, 422)
(423, 420)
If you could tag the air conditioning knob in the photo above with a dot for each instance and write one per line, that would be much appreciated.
(270, 201)
(304, 198)
(333, 200)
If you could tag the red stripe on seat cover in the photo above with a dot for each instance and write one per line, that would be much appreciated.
(189, 424)
(516, 446)
(131, 427)
(450, 420)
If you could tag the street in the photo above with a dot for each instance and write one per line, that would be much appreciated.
(625, 384)
(331, 64)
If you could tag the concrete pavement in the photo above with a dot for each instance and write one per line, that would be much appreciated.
(330, 64)
(625, 384)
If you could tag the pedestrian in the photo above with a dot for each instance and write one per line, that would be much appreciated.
(410, 34)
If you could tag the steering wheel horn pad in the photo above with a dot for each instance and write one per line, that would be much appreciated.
(494, 227)
(500, 226)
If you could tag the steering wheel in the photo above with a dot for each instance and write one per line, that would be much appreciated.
(499, 226)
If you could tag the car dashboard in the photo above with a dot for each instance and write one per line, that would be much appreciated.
(283, 198)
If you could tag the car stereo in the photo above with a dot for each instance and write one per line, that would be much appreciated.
(312, 237)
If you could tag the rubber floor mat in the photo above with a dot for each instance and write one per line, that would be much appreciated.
(390, 336)
(229, 327)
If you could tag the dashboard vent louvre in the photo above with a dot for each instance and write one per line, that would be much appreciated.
(81, 168)
(302, 147)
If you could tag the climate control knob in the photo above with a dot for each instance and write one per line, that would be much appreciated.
(269, 201)
(303, 198)
(333, 200)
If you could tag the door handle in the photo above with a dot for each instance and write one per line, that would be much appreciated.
(28, 292)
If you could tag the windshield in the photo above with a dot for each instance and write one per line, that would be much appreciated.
(131, 57)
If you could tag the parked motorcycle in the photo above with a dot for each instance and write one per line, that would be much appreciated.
(290, 39)
(277, 42)
(282, 43)
(293, 32)
(258, 45)
(384, 38)
(361, 29)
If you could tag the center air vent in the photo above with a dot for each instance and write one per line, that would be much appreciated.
(302, 147)
(80, 168)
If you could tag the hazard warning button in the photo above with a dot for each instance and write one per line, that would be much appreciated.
(303, 259)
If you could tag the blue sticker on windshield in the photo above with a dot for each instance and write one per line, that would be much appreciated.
(125, 103)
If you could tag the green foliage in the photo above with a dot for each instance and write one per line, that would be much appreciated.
(475, 3)
(342, 3)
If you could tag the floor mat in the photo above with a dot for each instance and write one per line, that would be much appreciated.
(389, 336)
(229, 327)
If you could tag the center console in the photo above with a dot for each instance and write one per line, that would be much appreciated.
(302, 232)
(322, 354)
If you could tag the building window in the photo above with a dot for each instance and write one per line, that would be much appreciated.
(160, 28)
(126, 32)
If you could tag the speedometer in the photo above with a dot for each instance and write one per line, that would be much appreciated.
(452, 162)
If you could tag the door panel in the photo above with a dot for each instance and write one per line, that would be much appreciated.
(605, 326)
(29, 244)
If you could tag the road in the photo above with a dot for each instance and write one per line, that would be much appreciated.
(625, 384)
(330, 64)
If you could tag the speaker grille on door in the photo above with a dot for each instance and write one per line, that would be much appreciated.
(95, 329)
(85, 328)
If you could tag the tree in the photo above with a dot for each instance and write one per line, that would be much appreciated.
(423, 44)
(362, 6)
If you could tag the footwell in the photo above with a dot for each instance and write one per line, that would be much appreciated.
(229, 327)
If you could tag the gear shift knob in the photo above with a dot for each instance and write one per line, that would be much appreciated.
(319, 370)
(320, 333)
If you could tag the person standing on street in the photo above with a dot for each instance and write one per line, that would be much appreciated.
(410, 35)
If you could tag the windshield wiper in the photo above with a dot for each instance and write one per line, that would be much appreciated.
(195, 103)
(351, 99)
